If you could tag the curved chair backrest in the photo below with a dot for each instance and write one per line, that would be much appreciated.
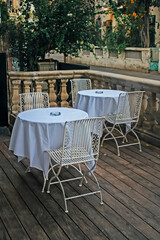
(129, 106)
(82, 140)
(33, 100)
(78, 85)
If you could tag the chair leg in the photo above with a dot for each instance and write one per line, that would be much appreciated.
(113, 137)
(44, 182)
(140, 148)
(82, 176)
(78, 169)
(28, 169)
(122, 133)
(62, 188)
(100, 192)
(99, 189)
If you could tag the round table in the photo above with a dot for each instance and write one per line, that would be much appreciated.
(38, 130)
(97, 102)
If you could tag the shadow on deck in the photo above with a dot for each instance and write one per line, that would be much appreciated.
(131, 194)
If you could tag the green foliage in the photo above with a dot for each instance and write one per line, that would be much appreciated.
(74, 26)
(132, 18)
(43, 25)
(32, 34)
(4, 17)
(117, 40)
(4, 11)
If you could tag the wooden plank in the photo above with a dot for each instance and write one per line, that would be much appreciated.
(120, 224)
(125, 213)
(146, 178)
(150, 149)
(29, 210)
(90, 211)
(68, 225)
(144, 162)
(138, 208)
(4, 150)
(75, 213)
(128, 208)
(116, 179)
(131, 217)
(130, 178)
(10, 219)
(3, 231)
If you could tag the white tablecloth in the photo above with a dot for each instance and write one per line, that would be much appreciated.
(97, 102)
(36, 131)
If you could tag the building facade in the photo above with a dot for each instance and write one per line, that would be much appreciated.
(107, 22)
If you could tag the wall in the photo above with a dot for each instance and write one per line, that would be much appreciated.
(156, 11)
(135, 59)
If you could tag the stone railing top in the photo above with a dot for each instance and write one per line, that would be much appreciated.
(125, 77)
(38, 74)
(137, 48)
(130, 48)
(120, 79)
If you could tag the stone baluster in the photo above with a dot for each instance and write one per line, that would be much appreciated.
(118, 87)
(114, 86)
(148, 114)
(15, 96)
(38, 86)
(123, 88)
(52, 94)
(106, 86)
(27, 89)
(156, 127)
(102, 85)
(27, 86)
(142, 111)
(95, 84)
(99, 82)
(130, 89)
(64, 94)
(109, 85)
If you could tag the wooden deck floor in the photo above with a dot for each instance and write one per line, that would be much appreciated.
(131, 193)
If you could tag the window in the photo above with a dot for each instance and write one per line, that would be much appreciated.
(109, 26)
(10, 3)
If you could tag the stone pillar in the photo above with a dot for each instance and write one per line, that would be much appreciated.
(52, 94)
(15, 96)
(64, 94)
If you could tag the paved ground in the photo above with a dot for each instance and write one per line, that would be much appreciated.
(152, 75)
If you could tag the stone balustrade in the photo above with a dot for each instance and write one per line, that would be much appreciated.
(57, 84)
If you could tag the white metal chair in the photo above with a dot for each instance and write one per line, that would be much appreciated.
(127, 115)
(78, 85)
(33, 100)
(80, 145)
